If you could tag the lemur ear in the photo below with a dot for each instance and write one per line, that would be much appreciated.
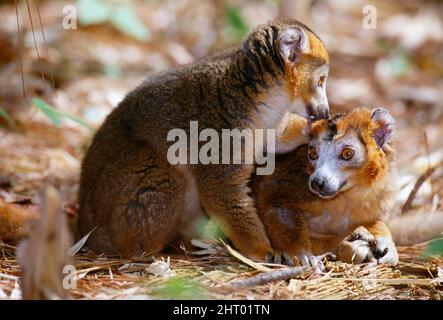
(385, 126)
(293, 42)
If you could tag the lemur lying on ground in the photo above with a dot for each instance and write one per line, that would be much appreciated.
(335, 194)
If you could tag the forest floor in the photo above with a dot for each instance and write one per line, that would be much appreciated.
(93, 68)
(214, 271)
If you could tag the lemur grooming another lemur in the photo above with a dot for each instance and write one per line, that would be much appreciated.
(332, 195)
(139, 202)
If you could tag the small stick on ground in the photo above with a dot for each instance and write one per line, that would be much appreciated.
(422, 179)
(245, 260)
(271, 276)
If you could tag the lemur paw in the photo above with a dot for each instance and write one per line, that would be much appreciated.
(361, 246)
(360, 233)
(384, 251)
(280, 258)
(316, 262)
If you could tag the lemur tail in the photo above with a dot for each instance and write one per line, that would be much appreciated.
(416, 227)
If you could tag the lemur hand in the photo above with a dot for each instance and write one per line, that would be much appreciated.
(361, 246)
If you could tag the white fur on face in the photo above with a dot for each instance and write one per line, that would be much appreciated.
(320, 97)
(271, 110)
(330, 167)
(317, 98)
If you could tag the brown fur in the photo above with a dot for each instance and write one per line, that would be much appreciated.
(289, 209)
(15, 220)
(136, 199)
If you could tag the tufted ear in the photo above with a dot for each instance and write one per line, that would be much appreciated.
(385, 126)
(293, 42)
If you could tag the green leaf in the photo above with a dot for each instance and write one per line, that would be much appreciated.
(55, 116)
(7, 118)
(112, 71)
(78, 120)
(122, 16)
(176, 288)
(236, 21)
(209, 230)
(93, 12)
(49, 111)
(399, 64)
(125, 19)
(434, 248)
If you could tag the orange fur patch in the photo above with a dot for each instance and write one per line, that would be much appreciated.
(359, 122)
(318, 128)
(292, 81)
(296, 73)
(294, 129)
(317, 48)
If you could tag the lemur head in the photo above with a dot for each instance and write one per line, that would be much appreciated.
(291, 49)
(350, 151)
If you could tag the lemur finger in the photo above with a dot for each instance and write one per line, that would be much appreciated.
(277, 258)
(287, 259)
(316, 263)
(269, 257)
(320, 267)
(384, 251)
(379, 252)
(361, 254)
(304, 261)
(313, 261)
(361, 233)
(327, 255)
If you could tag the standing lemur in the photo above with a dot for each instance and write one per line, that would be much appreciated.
(139, 202)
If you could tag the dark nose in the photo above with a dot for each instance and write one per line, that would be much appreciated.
(316, 184)
(317, 112)
(323, 112)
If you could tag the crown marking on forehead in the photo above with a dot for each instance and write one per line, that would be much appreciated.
(332, 126)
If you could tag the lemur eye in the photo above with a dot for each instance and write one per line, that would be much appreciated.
(347, 154)
(312, 153)
(321, 81)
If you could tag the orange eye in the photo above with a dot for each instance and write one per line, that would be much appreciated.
(347, 154)
(312, 153)
(321, 81)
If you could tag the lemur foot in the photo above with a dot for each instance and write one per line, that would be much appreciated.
(316, 262)
(361, 246)
(305, 259)
(280, 258)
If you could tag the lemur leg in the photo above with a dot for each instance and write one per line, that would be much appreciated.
(193, 218)
(290, 238)
(143, 215)
(369, 243)
(224, 193)
(290, 133)
(288, 233)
